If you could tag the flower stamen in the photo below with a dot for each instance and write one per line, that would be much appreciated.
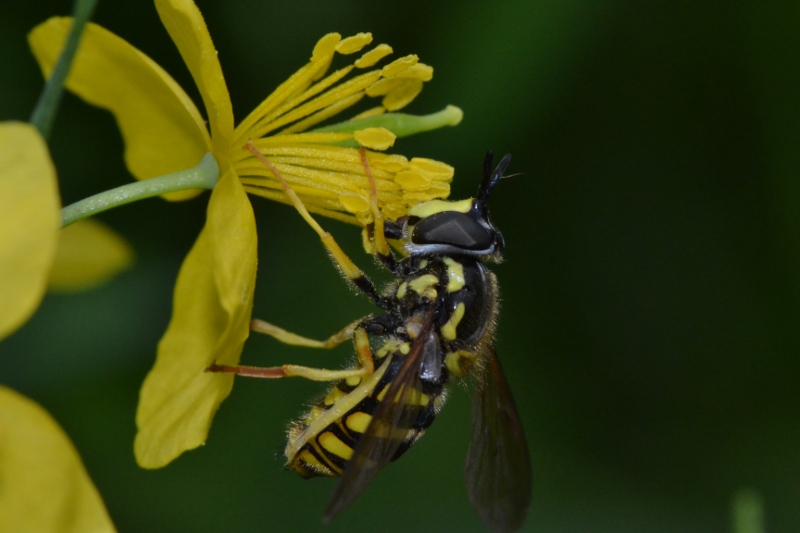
(298, 204)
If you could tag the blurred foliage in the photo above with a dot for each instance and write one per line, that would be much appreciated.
(651, 288)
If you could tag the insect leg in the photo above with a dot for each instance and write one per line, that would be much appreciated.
(460, 362)
(382, 250)
(345, 264)
(363, 352)
(288, 337)
(287, 371)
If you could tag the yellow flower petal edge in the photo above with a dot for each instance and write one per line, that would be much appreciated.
(89, 253)
(210, 322)
(188, 30)
(162, 129)
(45, 486)
(29, 222)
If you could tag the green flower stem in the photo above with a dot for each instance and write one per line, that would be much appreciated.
(400, 124)
(203, 176)
(44, 114)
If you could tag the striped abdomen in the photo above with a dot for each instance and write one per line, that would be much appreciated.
(323, 443)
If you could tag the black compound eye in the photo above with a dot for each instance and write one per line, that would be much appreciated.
(453, 228)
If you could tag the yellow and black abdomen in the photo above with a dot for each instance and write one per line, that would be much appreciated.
(460, 293)
(323, 442)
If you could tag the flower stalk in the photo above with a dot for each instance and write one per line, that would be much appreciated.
(206, 174)
(203, 176)
(44, 114)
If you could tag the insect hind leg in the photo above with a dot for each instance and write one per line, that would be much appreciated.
(363, 352)
(287, 371)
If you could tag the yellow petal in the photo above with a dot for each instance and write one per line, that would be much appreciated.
(162, 129)
(29, 222)
(188, 30)
(375, 138)
(45, 486)
(210, 322)
(89, 253)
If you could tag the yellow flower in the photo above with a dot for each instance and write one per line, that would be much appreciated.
(29, 222)
(164, 132)
(34, 252)
(88, 254)
(43, 484)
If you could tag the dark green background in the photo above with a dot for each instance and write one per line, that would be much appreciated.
(651, 292)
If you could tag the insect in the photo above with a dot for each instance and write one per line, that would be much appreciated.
(438, 322)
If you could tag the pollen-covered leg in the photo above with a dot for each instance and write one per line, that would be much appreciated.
(289, 371)
(380, 244)
(348, 268)
(363, 352)
(288, 337)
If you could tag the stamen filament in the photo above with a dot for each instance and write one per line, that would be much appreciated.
(355, 85)
(289, 191)
(347, 266)
(298, 79)
(334, 211)
(311, 92)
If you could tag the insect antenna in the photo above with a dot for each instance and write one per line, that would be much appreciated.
(490, 178)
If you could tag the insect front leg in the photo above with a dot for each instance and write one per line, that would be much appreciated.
(363, 352)
(345, 264)
(378, 238)
(293, 339)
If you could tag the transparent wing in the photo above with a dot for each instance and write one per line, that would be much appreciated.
(391, 420)
(498, 469)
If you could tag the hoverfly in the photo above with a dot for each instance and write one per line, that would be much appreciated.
(438, 321)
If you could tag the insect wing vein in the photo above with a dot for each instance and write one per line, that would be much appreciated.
(498, 470)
